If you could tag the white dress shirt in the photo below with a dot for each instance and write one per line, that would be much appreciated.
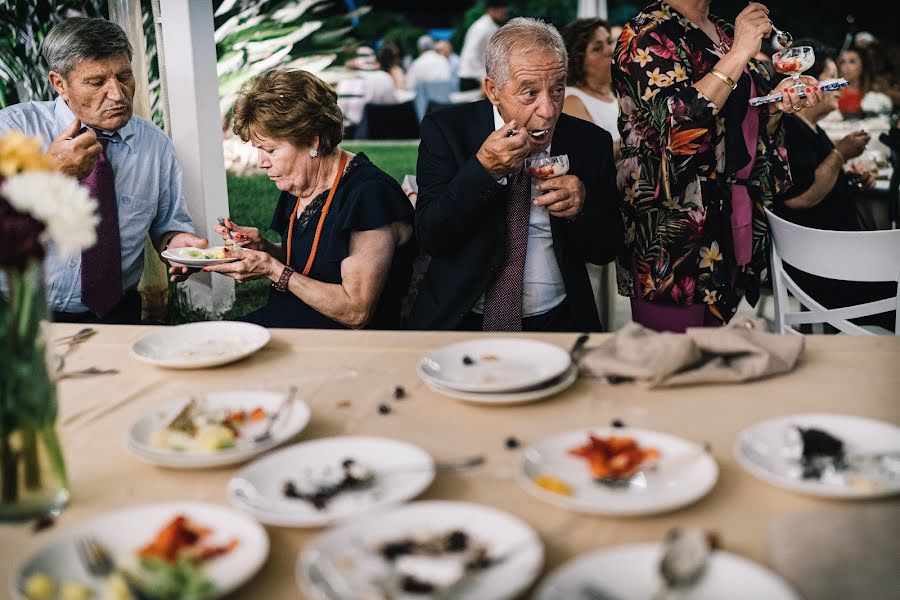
(375, 86)
(429, 66)
(543, 287)
(471, 58)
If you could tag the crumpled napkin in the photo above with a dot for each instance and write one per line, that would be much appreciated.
(742, 351)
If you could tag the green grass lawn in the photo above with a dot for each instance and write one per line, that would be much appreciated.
(252, 202)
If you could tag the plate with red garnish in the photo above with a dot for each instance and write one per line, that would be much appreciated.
(211, 550)
(617, 471)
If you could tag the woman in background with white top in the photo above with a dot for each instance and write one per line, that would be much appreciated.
(590, 96)
(589, 93)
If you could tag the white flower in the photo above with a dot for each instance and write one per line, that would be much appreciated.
(61, 203)
(642, 56)
(876, 102)
(709, 256)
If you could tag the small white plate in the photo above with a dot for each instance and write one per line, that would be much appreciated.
(497, 365)
(402, 472)
(353, 546)
(124, 532)
(548, 388)
(291, 422)
(760, 450)
(200, 345)
(184, 256)
(631, 572)
(684, 473)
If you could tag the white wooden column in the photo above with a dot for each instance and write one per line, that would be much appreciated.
(193, 92)
(592, 8)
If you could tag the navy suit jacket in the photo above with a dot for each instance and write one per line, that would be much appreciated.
(460, 216)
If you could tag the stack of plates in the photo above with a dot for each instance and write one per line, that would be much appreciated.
(498, 370)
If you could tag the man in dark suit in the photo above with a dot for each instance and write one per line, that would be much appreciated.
(507, 255)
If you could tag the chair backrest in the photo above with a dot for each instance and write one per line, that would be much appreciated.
(843, 255)
(388, 122)
(431, 91)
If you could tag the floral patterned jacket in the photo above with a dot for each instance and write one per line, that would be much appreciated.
(677, 171)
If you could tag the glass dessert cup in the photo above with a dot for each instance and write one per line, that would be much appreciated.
(793, 62)
(547, 167)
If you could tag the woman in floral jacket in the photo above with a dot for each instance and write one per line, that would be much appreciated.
(698, 163)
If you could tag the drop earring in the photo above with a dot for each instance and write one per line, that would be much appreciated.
(313, 152)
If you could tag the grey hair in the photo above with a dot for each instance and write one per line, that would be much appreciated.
(425, 42)
(83, 38)
(524, 35)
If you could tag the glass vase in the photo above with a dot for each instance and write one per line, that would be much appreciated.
(33, 480)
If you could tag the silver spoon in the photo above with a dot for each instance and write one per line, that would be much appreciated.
(785, 39)
(77, 337)
(684, 562)
(273, 417)
(86, 373)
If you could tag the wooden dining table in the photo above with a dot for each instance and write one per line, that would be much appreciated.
(345, 375)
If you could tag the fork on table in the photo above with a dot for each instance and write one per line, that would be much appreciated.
(98, 561)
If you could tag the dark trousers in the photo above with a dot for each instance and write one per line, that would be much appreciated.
(126, 312)
(466, 84)
(558, 318)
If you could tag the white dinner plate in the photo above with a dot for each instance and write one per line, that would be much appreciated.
(351, 550)
(493, 365)
(402, 472)
(683, 474)
(760, 449)
(125, 531)
(548, 388)
(186, 256)
(631, 572)
(291, 421)
(200, 345)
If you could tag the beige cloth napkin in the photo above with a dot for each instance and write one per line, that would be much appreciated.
(742, 351)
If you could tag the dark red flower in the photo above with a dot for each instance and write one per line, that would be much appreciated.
(20, 238)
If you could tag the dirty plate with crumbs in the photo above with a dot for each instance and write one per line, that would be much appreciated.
(489, 365)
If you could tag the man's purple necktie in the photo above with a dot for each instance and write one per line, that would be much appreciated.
(503, 298)
(101, 265)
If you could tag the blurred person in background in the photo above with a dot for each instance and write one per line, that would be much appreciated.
(389, 62)
(589, 93)
(370, 84)
(471, 58)
(860, 97)
(445, 49)
(428, 66)
(699, 163)
(823, 194)
(345, 225)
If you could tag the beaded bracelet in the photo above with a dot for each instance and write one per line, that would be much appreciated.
(282, 284)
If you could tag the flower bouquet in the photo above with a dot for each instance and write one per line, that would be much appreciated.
(39, 209)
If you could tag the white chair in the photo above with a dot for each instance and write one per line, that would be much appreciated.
(842, 255)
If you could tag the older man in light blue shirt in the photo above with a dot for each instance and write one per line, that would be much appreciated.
(90, 69)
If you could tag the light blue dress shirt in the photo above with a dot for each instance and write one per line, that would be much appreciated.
(148, 189)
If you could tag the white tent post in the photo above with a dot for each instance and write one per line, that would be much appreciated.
(193, 92)
(588, 9)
